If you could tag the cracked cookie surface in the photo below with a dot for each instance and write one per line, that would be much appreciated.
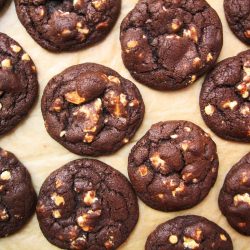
(68, 24)
(238, 17)
(87, 204)
(173, 166)
(91, 110)
(225, 98)
(189, 232)
(18, 83)
(17, 195)
(169, 44)
(234, 199)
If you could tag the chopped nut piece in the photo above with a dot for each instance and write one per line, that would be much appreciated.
(132, 44)
(5, 175)
(179, 189)
(88, 138)
(209, 57)
(109, 243)
(74, 97)
(78, 243)
(56, 214)
(191, 33)
(25, 57)
(6, 63)
(4, 215)
(197, 62)
(114, 79)
(58, 200)
(245, 110)
(125, 140)
(63, 133)
(229, 104)
(160, 196)
(242, 198)
(242, 224)
(143, 170)
(190, 243)
(156, 160)
(66, 32)
(187, 129)
(173, 239)
(223, 237)
(15, 48)
(89, 198)
(173, 136)
(176, 24)
(98, 3)
(134, 103)
(209, 109)
(57, 105)
(58, 183)
(247, 33)
(184, 145)
(86, 219)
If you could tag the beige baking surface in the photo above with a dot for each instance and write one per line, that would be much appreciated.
(41, 155)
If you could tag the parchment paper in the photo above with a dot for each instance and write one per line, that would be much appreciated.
(42, 155)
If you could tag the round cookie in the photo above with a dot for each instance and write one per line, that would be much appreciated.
(234, 199)
(17, 195)
(225, 96)
(189, 232)
(91, 110)
(67, 25)
(87, 204)
(18, 83)
(238, 17)
(167, 44)
(174, 165)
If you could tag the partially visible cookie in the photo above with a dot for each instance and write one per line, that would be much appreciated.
(173, 166)
(18, 83)
(2, 2)
(91, 110)
(225, 98)
(234, 199)
(189, 232)
(169, 44)
(87, 204)
(17, 195)
(67, 25)
(238, 17)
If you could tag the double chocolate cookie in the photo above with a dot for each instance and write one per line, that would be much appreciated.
(189, 232)
(18, 83)
(225, 98)
(234, 199)
(169, 44)
(17, 195)
(67, 24)
(238, 17)
(87, 204)
(173, 166)
(2, 2)
(91, 110)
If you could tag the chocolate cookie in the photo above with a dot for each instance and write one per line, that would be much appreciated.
(189, 232)
(238, 17)
(234, 199)
(91, 110)
(225, 96)
(173, 166)
(17, 195)
(169, 44)
(2, 2)
(67, 25)
(87, 204)
(18, 83)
